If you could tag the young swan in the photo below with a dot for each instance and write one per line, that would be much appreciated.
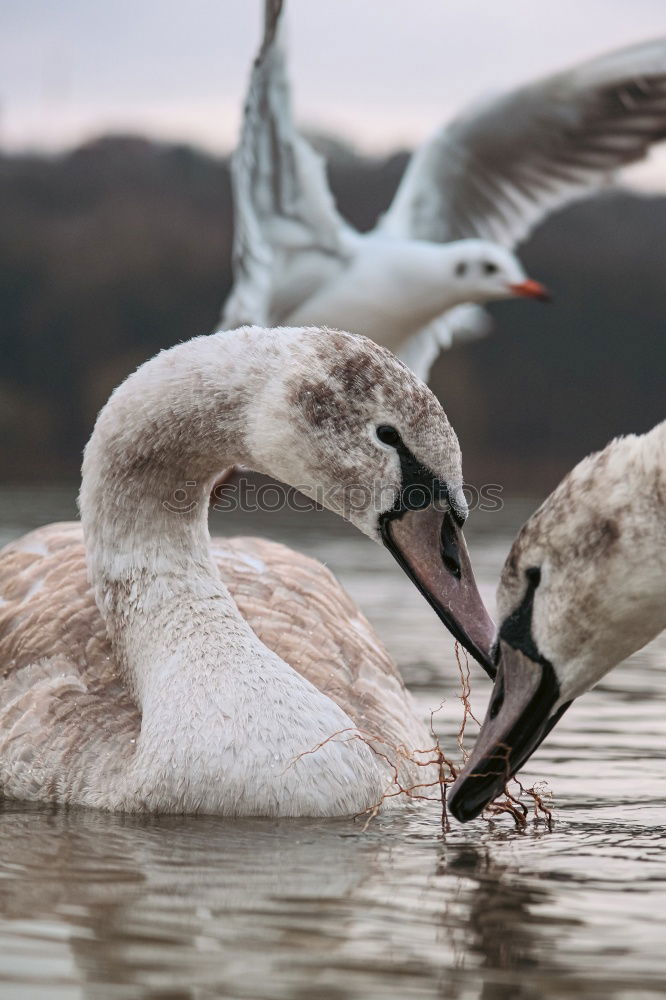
(153, 690)
(584, 586)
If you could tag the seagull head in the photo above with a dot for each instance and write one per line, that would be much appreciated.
(485, 271)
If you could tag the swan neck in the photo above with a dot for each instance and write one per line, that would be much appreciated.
(158, 445)
(157, 448)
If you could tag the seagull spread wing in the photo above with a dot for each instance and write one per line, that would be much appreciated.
(498, 169)
(462, 323)
(285, 218)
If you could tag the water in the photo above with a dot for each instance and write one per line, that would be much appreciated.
(177, 908)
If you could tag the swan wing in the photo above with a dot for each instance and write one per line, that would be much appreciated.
(47, 609)
(61, 696)
(286, 226)
(500, 167)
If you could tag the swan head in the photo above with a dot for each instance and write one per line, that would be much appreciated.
(583, 587)
(351, 426)
(483, 271)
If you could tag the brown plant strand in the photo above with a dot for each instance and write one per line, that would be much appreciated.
(538, 791)
(441, 777)
(447, 770)
(465, 694)
(433, 756)
(511, 805)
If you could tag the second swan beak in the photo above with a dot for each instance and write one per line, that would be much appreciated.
(430, 547)
(523, 709)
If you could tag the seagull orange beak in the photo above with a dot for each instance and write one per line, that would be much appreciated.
(530, 289)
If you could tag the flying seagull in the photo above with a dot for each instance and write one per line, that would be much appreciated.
(469, 195)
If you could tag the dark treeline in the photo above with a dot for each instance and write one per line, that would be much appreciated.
(122, 247)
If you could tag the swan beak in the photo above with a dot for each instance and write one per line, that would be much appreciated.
(520, 714)
(431, 549)
(530, 289)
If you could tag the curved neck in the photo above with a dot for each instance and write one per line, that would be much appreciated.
(158, 446)
(164, 434)
(224, 719)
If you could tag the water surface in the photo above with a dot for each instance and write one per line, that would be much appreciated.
(98, 906)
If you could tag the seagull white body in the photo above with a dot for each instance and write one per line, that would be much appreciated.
(392, 287)
(584, 586)
(479, 186)
(144, 669)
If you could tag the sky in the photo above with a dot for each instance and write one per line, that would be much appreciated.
(382, 74)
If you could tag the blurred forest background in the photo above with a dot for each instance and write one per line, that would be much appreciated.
(122, 247)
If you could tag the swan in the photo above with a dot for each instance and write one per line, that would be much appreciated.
(144, 668)
(468, 196)
(583, 587)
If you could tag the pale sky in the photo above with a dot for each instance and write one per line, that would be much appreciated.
(381, 73)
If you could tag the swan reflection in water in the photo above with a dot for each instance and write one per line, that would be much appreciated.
(175, 903)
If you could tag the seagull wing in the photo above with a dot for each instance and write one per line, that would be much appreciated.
(283, 207)
(498, 169)
(462, 323)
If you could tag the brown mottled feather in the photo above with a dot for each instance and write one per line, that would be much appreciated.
(59, 681)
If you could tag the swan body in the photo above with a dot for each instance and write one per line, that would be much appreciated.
(583, 587)
(65, 686)
(468, 197)
(145, 668)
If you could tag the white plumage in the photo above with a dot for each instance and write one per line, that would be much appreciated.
(491, 174)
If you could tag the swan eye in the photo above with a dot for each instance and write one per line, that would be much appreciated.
(461, 268)
(388, 435)
(490, 268)
(533, 575)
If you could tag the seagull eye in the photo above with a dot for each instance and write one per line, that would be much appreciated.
(490, 268)
(461, 268)
(388, 435)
